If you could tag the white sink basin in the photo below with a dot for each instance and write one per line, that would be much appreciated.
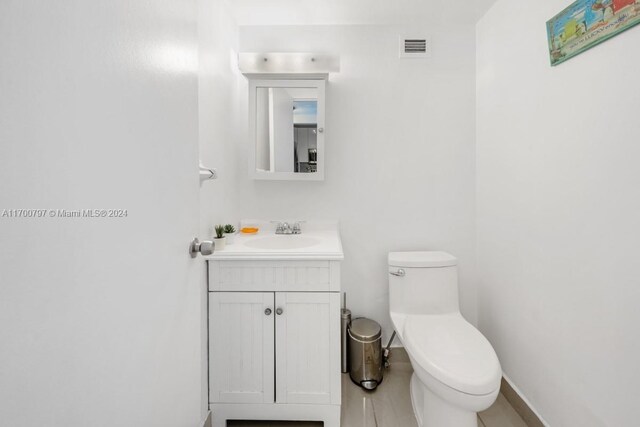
(319, 241)
(282, 242)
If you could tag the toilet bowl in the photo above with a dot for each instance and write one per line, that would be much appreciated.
(456, 371)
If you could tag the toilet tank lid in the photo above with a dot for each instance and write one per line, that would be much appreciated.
(422, 259)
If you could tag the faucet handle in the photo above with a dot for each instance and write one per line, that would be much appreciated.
(279, 227)
(296, 227)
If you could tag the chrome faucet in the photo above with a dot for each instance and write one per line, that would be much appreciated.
(285, 228)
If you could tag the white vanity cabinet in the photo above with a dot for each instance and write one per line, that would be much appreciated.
(274, 340)
(241, 347)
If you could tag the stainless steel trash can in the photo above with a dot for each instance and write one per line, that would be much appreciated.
(365, 353)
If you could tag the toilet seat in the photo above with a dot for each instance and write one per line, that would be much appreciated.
(453, 352)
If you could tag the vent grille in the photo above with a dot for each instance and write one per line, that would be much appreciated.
(415, 47)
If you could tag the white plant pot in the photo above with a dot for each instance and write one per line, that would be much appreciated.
(231, 237)
(220, 243)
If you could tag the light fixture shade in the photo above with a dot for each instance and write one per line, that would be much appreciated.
(251, 63)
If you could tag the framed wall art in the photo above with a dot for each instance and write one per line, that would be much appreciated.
(586, 23)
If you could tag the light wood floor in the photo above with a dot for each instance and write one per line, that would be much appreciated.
(390, 406)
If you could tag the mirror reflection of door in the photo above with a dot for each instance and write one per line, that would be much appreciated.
(305, 124)
(286, 129)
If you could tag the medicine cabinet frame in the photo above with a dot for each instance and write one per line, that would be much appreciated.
(320, 85)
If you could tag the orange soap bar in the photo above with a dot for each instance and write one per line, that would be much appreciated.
(249, 230)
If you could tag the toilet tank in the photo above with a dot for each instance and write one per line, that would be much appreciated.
(423, 283)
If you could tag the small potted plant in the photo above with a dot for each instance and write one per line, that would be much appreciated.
(220, 240)
(230, 233)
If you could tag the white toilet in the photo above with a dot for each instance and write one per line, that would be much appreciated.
(456, 370)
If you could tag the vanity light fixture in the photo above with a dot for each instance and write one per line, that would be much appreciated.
(288, 64)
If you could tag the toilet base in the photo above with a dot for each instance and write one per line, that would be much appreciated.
(432, 411)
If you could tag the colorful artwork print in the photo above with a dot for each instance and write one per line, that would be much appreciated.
(585, 23)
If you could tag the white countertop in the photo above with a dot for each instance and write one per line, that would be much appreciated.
(319, 240)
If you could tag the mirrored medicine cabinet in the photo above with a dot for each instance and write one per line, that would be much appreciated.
(286, 128)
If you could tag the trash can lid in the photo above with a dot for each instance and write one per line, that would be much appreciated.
(365, 329)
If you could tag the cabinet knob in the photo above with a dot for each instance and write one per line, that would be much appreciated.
(267, 312)
(279, 311)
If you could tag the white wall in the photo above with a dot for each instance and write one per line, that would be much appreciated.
(99, 318)
(218, 112)
(400, 153)
(558, 223)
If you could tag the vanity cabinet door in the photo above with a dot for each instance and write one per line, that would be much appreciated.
(241, 347)
(308, 347)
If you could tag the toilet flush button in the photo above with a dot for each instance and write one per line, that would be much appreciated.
(400, 273)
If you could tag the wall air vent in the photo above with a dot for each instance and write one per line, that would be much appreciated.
(415, 47)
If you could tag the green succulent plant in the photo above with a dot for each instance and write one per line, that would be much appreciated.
(229, 229)
(219, 231)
